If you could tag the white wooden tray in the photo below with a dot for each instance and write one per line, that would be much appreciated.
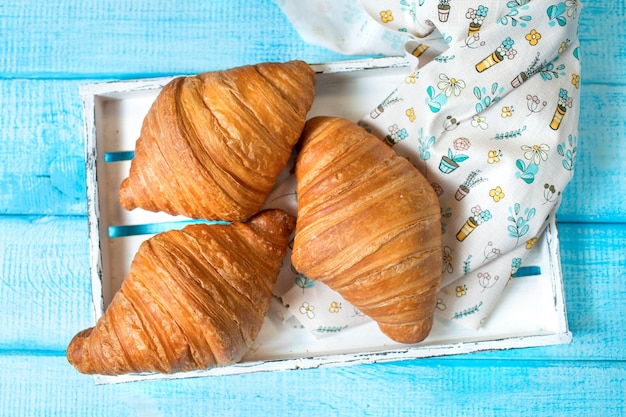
(530, 313)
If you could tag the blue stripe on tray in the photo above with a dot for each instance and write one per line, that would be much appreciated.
(154, 228)
(119, 156)
(527, 271)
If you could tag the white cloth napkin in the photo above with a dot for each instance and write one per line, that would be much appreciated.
(489, 114)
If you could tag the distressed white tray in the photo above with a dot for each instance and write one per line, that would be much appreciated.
(530, 313)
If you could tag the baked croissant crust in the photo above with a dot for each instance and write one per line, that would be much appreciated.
(212, 145)
(194, 299)
(368, 226)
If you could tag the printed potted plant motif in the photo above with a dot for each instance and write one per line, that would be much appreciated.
(444, 10)
(504, 50)
(477, 18)
(389, 101)
(472, 180)
(419, 49)
(477, 218)
(451, 161)
(535, 67)
(561, 108)
(395, 135)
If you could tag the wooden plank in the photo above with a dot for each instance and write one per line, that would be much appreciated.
(48, 385)
(42, 141)
(601, 140)
(138, 38)
(41, 148)
(44, 283)
(130, 38)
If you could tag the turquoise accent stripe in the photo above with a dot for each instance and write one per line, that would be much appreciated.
(119, 156)
(527, 271)
(154, 228)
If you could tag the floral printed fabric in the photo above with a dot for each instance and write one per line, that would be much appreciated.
(489, 114)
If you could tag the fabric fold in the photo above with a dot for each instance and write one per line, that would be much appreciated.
(489, 114)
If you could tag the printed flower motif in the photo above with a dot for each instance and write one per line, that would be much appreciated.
(461, 290)
(477, 15)
(534, 104)
(411, 78)
(410, 113)
(493, 157)
(491, 252)
(530, 243)
(461, 144)
(563, 47)
(480, 216)
(485, 216)
(397, 134)
(447, 259)
(386, 16)
(516, 263)
(576, 80)
(506, 48)
(486, 281)
(450, 86)
(533, 37)
(572, 8)
(307, 310)
(507, 111)
(479, 121)
(536, 153)
(496, 193)
(334, 307)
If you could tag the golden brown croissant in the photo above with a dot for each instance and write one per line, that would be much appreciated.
(368, 226)
(212, 145)
(193, 299)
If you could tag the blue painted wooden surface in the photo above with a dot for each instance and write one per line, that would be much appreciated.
(49, 48)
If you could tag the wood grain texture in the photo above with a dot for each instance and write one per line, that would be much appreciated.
(138, 38)
(413, 388)
(44, 282)
(42, 148)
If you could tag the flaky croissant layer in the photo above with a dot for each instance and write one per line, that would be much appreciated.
(212, 145)
(368, 226)
(193, 299)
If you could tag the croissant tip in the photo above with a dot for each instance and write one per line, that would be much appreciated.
(275, 224)
(76, 353)
(126, 195)
(408, 333)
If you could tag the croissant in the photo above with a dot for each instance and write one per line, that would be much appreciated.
(368, 226)
(212, 145)
(193, 299)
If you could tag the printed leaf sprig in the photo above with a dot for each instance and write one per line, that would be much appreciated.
(520, 225)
